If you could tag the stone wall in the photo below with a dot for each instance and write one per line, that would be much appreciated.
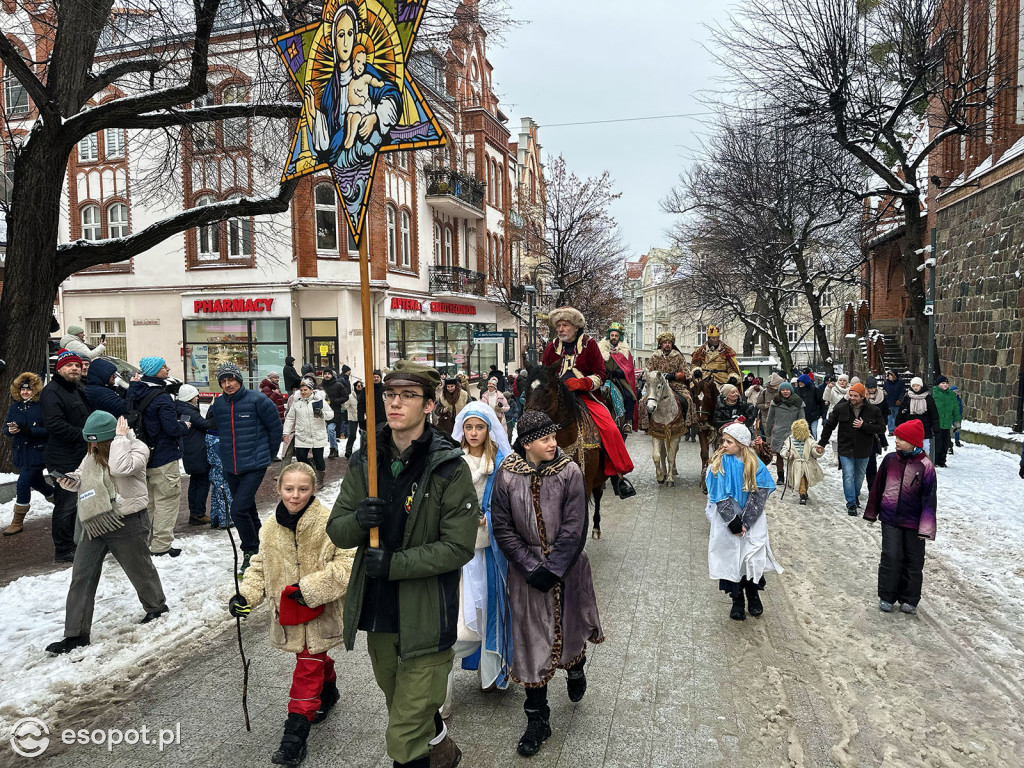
(980, 291)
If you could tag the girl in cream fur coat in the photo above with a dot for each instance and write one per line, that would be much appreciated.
(305, 577)
(801, 459)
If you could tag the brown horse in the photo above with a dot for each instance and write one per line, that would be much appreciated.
(577, 435)
(704, 392)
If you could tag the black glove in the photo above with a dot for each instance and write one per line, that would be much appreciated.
(541, 578)
(297, 596)
(370, 512)
(377, 562)
(736, 525)
(239, 607)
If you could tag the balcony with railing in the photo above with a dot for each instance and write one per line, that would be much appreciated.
(457, 280)
(454, 194)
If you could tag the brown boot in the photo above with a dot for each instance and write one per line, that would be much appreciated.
(18, 524)
(446, 754)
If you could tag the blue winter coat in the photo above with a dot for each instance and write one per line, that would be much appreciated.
(163, 430)
(894, 391)
(30, 442)
(193, 444)
(250, 430)
(814, 403)
(101, 395)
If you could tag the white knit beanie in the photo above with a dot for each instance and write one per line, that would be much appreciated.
(738, 432)
(917, 381)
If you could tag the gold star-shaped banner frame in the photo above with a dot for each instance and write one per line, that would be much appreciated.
(358, 96)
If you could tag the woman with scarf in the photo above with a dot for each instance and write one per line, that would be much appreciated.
(539, 520)
(496, 400)
(919, 404)
(451, 399)
(786, 407)
(485, 641)
(738, 550)
(112, 500)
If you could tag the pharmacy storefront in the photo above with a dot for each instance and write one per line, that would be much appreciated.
(251, 330)
(440, 333)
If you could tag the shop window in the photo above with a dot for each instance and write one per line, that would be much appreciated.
(117, 220)
(321, 343)
(448, 347)
(448, 246)
(208, 235)
(392, 235)
(113, 143)
(325, 203)
(91, 223)
(257, 347)
(88, 150)
(239, 235)
(437, 244)
(15, 95)
(204, 134)
(236, 129)
(114, 329)
(406, 240)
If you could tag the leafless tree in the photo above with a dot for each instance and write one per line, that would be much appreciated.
(768, 227)
(891, 79)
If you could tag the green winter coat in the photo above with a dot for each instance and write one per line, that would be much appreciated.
(947, 406)
(439, 538)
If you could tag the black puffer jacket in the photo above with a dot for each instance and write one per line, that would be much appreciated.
(65, 411)
(853, 443)
(193, 442)
(724, 413)
(337, 394)
(291, 376)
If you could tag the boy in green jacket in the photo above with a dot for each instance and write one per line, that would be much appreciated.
(949, 413)
(405, 594)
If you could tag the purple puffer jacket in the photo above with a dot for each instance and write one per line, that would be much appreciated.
(903, 493)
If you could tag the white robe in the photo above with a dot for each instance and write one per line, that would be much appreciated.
(733, 557)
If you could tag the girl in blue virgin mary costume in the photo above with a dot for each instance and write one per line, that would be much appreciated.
(485, 639)
(738, 549)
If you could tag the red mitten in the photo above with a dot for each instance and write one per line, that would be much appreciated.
(579, 385)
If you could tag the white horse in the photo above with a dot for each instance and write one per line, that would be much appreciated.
(667, 424)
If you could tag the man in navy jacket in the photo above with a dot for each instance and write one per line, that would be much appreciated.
(250, 432)
(163, 433)
(100, 390)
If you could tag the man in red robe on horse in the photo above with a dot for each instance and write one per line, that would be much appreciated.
(578, 362)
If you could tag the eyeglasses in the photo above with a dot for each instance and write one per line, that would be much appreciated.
(406, 397)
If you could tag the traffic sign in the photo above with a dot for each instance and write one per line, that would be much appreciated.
(929, 308)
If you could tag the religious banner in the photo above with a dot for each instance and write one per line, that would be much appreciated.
(358, 96)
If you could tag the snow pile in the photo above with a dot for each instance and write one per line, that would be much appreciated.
(992, 430)
(123, 654)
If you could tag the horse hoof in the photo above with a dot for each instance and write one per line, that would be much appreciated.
(596, 533)
(671, 483)
(661, 482)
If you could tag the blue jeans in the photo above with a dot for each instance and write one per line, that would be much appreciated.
(243, 506)
(814, 428)
(332, 436)
(853, 477)
(30, 478)
(892, 422)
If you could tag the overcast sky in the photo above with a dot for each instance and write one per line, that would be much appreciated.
(578, 61)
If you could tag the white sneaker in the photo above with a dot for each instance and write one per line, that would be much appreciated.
(884, 606)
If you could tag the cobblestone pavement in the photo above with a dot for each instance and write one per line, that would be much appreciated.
(821, 679)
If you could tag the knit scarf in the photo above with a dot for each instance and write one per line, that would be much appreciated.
(98, 510)
(878, 398)
(918, 401)
(843, 391)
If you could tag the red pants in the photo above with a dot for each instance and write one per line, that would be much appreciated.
(618, 462)
(312, 670)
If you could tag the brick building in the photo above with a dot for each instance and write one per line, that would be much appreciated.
(254, 291)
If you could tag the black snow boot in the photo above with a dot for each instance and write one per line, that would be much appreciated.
(293, 744)
(803, 499)
(67, 645)
(576, 684)
(738, 612)
(754, 607)
(328, 698)
(537, 731)
(246, 557)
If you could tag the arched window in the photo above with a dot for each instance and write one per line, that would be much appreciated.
(15, 95)
(236, 129)
(91, 223)
(448, 247)
(437, 244)
(490, 183)
(117, 220)
(497, 186)
(203, 134)
(208, 236)
(326, 218)
(239, 235)
(500, 259)
(406, 239)
(392, 235)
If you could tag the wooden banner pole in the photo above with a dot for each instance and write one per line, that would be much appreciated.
(370, 449)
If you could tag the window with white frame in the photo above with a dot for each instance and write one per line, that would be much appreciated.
(500, 260)
(437, 244)
(15, 95)
(113, 143)
(114, 329)
(497, 186)
(702, 336)
(239, 235)
(448, 247)
(402, 160)
(204, 134)
(325, 202)
(827, 297)
(88, 149)
(792, 333)
(117, 220)
(236, 129)
(392, 235)
(406, 240)
(208, 235)
(91, 223)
